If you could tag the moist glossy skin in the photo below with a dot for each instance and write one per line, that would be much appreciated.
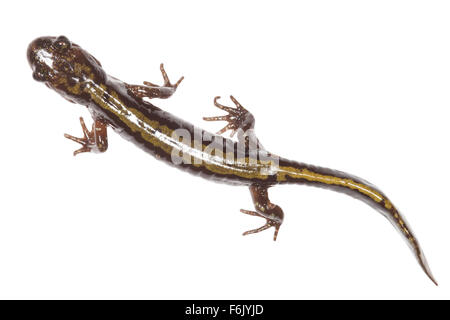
(79, 77)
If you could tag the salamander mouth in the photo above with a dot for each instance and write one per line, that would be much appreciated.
(43, 52)
(37, 47)
(40, 58)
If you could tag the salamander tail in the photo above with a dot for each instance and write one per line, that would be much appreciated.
(424, 264)
(300, 173)
(400, 223)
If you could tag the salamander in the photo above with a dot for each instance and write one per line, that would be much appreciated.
(79, 77)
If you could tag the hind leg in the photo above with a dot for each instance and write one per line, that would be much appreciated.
(264, 209)
(240, 121)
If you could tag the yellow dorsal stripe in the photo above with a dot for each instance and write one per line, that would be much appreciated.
(331, 180)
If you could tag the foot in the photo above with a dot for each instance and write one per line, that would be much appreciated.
(270, 223)
(167, 83)
(150, 90)
(237, 118)
(93, 140)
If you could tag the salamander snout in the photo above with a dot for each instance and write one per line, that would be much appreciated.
(43, 55)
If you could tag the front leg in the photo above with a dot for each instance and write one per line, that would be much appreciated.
(95, 140)
(150, 90)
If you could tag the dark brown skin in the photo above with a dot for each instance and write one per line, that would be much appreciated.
(76, 75)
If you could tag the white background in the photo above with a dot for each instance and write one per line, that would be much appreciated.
(359, 86)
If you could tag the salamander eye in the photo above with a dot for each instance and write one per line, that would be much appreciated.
(61, 43)
(41, 74)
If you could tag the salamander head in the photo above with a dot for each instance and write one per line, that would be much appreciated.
(63, 66)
